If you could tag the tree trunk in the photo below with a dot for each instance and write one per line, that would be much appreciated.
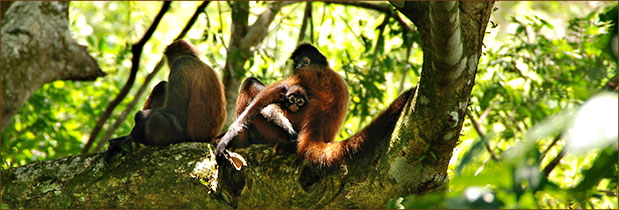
(451, 38)
(37, 48)
(243, 39)
(413, 160)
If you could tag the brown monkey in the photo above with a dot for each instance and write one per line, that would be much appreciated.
(156, 97)
(154, 100)
(295, 98)
(194, 105)
(271, 126)
(320, 119)
(324, 99)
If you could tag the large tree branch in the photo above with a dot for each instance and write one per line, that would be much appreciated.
(136, 50)
(413, 160)
(149, 77)
(257, 31)
(451, 43)
(183, 175)
(37, 48)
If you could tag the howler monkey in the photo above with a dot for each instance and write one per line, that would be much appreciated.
(193, 108)
(324, 101)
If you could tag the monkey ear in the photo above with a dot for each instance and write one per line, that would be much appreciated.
(305, 61)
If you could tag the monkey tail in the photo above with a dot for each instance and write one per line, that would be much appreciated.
(331, 153)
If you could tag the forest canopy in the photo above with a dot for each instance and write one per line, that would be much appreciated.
(541, 123)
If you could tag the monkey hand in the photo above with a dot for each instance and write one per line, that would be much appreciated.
(118, 145)
(282, 89)
(234, 129)
(274, 114)
(221, 146)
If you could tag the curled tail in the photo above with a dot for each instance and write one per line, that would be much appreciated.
(334, 152)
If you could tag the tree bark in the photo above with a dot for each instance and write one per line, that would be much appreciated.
(243, 40)
(451, 39)
(413, 160)
(163, 177)
(37, 48)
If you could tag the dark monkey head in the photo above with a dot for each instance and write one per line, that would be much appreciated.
(180, 48)
(306, 54)
(157, 96)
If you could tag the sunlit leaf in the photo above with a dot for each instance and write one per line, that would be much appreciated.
(595, 124)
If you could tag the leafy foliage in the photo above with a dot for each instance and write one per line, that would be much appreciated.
(529, 88)
(529, 92)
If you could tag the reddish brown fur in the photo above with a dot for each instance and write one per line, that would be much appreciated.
(206, 103)
(330, 153)
(206, 109)
(322, 116)
(320, 119)
(260, 130)
(381, 127)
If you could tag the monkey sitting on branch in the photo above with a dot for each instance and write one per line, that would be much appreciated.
(191, 106)
(324, 101)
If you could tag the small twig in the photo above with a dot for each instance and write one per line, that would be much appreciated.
(403, 23)
(513, 121)
(350, 28)
(150, 77)
(408, 56)
(322, 20)
(554, 141)
(381, 30)
(220, 34)
(136, 50)
(612, 84)
(483, 116)
(608, 193)
(481, 134)
(306, 16)
(553, 163)
(518, 71)
(311, 21)
(384, 8)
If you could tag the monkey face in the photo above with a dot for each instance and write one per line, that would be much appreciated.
(295, 102)
(294, 98)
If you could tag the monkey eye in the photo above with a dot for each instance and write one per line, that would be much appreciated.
(300, 102)
(291, 99)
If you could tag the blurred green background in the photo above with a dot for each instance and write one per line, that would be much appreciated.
(543, 79)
